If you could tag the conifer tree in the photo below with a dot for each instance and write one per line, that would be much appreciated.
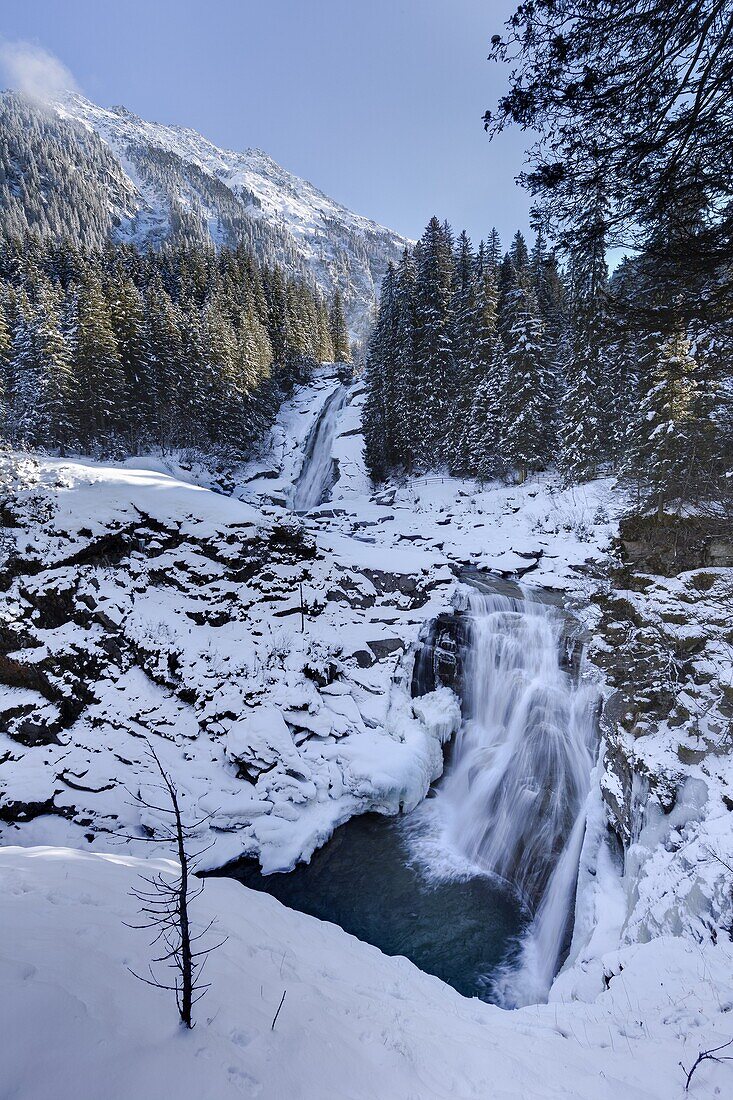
(665, 451)
(101, 397)
(128, 320)
(434, 335)
(466, 321)
(493, 255)
(483, 447)
(163, 374)
(42, 376)
(585, 437)
(528, 411)
(6, 347)
(323, 322)
(339, 330)
(378, 420)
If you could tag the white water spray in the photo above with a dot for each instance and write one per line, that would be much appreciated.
(317, 473)
(513, 800)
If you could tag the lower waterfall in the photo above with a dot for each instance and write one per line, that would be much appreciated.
(477, 884)
(512, 802)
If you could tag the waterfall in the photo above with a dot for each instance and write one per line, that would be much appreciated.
(317, 472)
(512, 802)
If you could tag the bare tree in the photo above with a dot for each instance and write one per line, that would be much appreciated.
(711, 1055)
(165, 905)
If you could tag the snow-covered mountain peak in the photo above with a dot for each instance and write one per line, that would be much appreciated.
(171, 182)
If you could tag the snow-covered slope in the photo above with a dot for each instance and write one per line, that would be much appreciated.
(355, 1025)
(180, 180)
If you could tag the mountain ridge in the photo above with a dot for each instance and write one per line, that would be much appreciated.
(157, 181)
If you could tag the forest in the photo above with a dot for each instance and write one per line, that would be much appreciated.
(499, 367)
(114, 351)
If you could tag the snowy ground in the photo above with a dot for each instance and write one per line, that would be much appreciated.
(355, 1025)
(141, 603)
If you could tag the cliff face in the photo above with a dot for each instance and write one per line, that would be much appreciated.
(664, 643)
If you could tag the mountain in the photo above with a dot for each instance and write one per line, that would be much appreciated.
(91, 173)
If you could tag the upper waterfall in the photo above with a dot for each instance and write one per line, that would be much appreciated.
(317, 472)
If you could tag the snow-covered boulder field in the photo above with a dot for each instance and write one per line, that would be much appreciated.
(138, 606)
(354, 1025)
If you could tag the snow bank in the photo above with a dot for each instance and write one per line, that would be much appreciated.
(355, 1024)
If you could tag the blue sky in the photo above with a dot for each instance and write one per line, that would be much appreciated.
(377, 102)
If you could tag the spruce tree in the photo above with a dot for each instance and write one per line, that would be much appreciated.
(6, 348)
(325, 343)
(528, 410)
(483, 445)
(165, 377)
(128, 320)
(466, 324)
(405, 394)
(435, 371)
(379, 416)
(339, 330)
(586, 438)
(41, 400)
(101, 397)
(665, 451)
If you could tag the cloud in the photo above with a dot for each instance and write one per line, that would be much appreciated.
(34, 71)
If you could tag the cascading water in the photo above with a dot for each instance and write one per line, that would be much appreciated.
(317, 473)
(512, 802)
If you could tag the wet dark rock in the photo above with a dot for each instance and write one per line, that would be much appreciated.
(12, 810)
(384, 647)
(352, 596)
(363, 657)
(32, 725)
(439, 660)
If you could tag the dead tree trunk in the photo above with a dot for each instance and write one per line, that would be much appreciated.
(165, 906)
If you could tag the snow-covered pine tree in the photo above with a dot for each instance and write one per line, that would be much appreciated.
(323, 320)
(6, 350)
(466, 325)
(586, 432)
(101, 396)
(485, 429)
(42, 379)
(712, 349)
(277, 309)
(528, 412)
(165, 377)
(493, 256)
(222, 396)
(301, 335)
(194, 400)
(128, 321)
(482, 374)
(378, 419)
(339, 330)
(406, 419)
(435, 371)
(667, 432)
